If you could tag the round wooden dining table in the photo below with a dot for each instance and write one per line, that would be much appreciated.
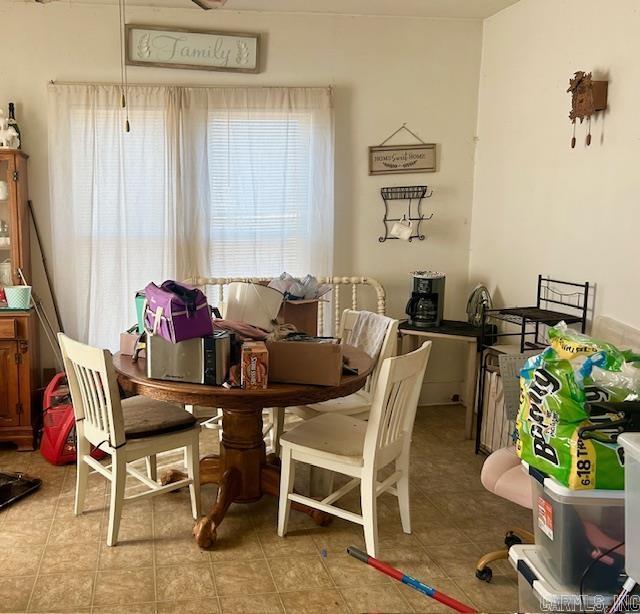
(241, 470)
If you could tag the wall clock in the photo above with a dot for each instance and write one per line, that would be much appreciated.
(587, 98)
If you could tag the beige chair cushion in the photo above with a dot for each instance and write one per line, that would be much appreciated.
(356, 403)
(341, 436)
(144, 417)
(503, 475)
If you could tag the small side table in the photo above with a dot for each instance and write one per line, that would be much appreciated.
(450, 330)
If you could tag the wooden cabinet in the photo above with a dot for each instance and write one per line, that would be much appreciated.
(9, 387)
(19, 368)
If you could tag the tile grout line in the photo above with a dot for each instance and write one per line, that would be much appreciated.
(215, 584)
(210, 559)
(328, 572)
(100, 533)
(273, 579)
(335, 586)
(153, 552)
(211, 569)
(46, 542)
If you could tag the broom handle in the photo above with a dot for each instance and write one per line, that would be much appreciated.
(44, 322)
(54, 300)
(454, 604)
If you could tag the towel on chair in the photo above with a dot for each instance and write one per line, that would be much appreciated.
(368, 332)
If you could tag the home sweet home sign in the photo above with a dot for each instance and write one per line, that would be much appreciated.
(392, 159)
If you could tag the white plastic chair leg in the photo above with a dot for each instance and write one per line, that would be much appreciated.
(402, 486)
(152, 467)
(118, 481)
(82, 475)
(369, 514)
(287, 475)
(193, 471)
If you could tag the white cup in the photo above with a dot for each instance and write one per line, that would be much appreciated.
(402, 229)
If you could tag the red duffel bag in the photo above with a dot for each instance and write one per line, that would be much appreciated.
(58, 444)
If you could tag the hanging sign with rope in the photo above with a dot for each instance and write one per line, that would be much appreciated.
(394, 159)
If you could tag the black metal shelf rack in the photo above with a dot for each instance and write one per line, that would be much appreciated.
(412, 194)
(531, 323)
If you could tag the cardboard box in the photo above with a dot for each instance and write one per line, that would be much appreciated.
(302, 314)
(128, 343)
(305, 362)
(254, 365)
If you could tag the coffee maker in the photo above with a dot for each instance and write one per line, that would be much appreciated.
(426, 305)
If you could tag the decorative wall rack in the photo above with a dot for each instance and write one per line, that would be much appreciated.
(414, 195)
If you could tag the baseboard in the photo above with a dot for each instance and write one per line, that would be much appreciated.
(440, 393)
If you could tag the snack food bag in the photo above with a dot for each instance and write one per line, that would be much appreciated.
(555, 388)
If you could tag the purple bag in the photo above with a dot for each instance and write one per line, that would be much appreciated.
(177, 312)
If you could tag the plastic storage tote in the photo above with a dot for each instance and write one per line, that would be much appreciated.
(540, 591)
(571, 526)
(631, 444)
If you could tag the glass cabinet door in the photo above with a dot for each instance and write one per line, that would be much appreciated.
(6, 223)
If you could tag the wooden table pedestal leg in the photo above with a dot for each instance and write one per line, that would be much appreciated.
(210, 472)
(205, 528)
(241, 472)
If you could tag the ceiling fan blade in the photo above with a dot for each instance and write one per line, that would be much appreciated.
(209, 4)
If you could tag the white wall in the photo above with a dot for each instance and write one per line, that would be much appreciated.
(539, 206)
(385, 71)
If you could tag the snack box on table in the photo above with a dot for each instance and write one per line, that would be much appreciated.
(254, 365)
(570, 525)
(305, 362)
(540, 591)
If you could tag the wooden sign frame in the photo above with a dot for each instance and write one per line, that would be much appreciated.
(402, 159)
(202, 45)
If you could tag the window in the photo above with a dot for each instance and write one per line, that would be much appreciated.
(212, 182)
(259, 194)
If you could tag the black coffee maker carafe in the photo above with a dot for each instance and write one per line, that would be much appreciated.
(426, 305)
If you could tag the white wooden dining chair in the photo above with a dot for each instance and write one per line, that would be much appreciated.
(357, 404)
(360, 449)
(127, 430)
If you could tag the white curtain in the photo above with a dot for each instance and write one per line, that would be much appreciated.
(210, 181)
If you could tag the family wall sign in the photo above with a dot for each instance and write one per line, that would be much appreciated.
(194, 49)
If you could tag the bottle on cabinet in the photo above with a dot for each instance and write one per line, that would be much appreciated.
(12, 122)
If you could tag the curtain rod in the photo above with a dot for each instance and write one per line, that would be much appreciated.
(262, 87)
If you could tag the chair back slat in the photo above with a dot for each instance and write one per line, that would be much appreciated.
(395, 400)
(92, 412)
(389, 344)
(215, 287)
(94, 392)
(100, 399)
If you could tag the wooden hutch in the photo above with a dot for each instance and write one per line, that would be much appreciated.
(19, 368)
